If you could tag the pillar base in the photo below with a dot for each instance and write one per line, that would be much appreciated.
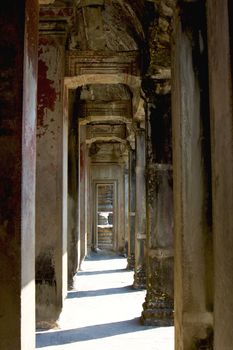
(139, 278)
(158, 310)
(48, 307)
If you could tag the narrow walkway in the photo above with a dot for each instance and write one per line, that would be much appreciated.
(103, 311)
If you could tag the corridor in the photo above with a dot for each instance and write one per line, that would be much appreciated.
(103, 311)
(116, 133)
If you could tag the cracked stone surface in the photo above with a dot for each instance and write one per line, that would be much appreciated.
(103, 312)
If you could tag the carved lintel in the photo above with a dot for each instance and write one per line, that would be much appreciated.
(106, 130)
(102, 62)
(110, 109)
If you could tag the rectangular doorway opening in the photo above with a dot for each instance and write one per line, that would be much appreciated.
(105, 196)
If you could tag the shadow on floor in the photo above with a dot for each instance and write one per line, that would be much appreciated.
(100, 292)
(101, 272)
(104, 255)
(88, 333)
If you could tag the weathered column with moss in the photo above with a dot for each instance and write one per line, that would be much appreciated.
(140, 213)
(158, 306)
(132, 194)
(51, 174)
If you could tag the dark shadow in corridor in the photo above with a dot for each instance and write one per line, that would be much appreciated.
(100, 292)
(89, 333)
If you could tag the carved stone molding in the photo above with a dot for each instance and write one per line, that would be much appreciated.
(111, 109)
(158, 310)
(98, 62)
(105, 131)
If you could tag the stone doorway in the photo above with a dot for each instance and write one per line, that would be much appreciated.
(105, 216)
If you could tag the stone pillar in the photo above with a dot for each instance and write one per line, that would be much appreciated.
(51, 233)
(18, 61)
(72, 188)
(140, 212)
(89, 203)
(220, 34)
(82, 191)
(131, 199)
(126, 206)
(192, 181)
(158, 306)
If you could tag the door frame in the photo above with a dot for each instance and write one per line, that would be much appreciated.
(102, 182)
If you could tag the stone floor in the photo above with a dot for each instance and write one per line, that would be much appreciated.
(102, 312)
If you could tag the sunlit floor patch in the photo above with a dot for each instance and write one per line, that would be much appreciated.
(103, 312)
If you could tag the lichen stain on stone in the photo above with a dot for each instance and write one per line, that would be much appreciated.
(45, 270)
(47, 94)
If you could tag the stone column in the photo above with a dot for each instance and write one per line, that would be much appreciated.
(158, 306)
(83, 158)
(72, 187)
(89, 203)
(132, 195)
(193, 243)
(18, 88)
(140, 212)
(51, 234)
(126, 206)
(220, 44)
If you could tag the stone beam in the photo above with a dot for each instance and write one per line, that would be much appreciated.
(105, 108)
(105, 118)
(107, 130)
(96, 67)
(106, 139)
